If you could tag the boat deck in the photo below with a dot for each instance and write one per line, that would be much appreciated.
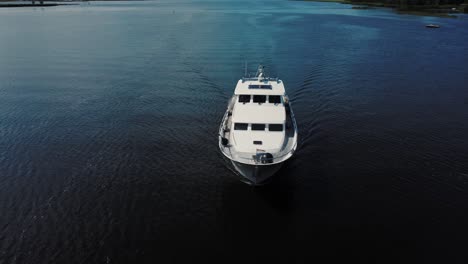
(286, 151)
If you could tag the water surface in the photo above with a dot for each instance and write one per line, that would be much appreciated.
(108, 132)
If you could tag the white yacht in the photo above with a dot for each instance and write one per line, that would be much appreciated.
(258, 132)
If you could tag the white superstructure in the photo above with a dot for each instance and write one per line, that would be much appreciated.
(258, 131)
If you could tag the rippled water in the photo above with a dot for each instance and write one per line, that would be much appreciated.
(108, 132)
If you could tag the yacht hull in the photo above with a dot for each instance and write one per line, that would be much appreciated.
(258, 132)
(256, 174)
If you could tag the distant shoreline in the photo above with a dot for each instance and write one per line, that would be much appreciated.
(29, 4)
(16, 3)
(407, 8)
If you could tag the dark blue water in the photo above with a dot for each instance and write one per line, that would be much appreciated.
(108, 133)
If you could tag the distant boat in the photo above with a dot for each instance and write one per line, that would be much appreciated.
(432, 26)
(258, 132)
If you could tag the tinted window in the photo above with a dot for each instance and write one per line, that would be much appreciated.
(275, 127)
(259, 86)
(258, 126)
(259, 98)
(244, 98)
(274, 99)
(240, 126)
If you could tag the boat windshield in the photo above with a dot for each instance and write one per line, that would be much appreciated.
(275, 127)
(259, 99)
(244, 98)
(274, 99)
(258, 127)
(241, 126)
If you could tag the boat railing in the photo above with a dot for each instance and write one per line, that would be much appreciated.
(260, 157)
(264, 79)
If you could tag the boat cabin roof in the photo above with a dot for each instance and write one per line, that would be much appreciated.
(253, 113)
(265, 86)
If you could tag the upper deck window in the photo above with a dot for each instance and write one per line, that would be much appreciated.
(260, 86)
(259, 99)
(258, 127)
(244, 98)
(241, 126)
(275, 127)
(274, 99)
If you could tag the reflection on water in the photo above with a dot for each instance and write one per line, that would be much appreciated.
(109, 114)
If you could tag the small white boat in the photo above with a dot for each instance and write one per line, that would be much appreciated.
(258, 132)
(432, 26)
